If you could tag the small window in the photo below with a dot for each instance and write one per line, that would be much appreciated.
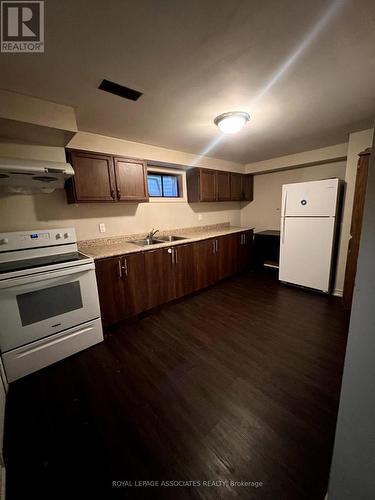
(163, 185)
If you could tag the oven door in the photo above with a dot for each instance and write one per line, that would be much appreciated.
(36, 306)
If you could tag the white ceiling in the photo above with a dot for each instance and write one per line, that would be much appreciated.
(304, 70)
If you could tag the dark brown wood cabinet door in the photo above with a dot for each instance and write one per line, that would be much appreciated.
(193, 185)
(205, 263)
(207, 185)
(134, 282)
(93, 177)
(236, 187)
(356, 227)
(248, 187)
(245, 251)
(184, 269)
(111, 290)
(223, 186)
(131, 179)
(159, 276)
(227, 255)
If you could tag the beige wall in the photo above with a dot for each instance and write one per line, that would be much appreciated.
(48, 211)
(51, 153)
(25, 212)
(101, 143)
(32, 110)
(264, 212)
(305, 158)
(52, 211)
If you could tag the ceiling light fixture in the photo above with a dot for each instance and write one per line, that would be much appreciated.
(232, 122)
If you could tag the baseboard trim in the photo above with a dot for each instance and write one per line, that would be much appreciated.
(337, 292)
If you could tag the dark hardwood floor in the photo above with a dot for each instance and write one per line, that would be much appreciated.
(237, 383)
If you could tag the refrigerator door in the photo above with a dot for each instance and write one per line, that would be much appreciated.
(306, 251)
(310, 199)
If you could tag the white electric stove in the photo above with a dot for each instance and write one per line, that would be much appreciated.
(49, 304)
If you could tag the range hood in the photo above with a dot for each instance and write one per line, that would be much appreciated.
(19, 176)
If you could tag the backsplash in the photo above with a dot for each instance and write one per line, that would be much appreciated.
(52, 211)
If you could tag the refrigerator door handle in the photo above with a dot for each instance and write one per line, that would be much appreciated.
(283, 214)
(285, 200)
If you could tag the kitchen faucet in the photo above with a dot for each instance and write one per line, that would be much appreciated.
(151, 234)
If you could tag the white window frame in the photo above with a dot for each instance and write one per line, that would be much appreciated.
(182, 198)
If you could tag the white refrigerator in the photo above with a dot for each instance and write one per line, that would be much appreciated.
(307, 238)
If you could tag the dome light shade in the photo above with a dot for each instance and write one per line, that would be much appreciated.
(232, 122)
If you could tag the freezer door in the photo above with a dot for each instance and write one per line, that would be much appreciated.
(310, 199)
(306, 251)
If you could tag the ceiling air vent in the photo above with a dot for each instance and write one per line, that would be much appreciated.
(120, 90)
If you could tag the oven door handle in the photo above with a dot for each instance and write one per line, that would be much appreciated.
(34, 278)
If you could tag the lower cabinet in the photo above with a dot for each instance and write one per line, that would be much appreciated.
(111, 290)
(169, 274)
(133, 283)
(205, 263)
(133, 275)
(184, 276)
(121, 287)
(158, 283)
(245, 250)
(227, 255)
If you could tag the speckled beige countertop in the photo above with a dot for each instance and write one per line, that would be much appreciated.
(110, 247)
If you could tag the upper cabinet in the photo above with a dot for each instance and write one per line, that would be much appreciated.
(248, 187)
(104, 178)
(131, 180)
(208, 185)
(217, 185)
(94, 177)
(236, 192)
(223, 186)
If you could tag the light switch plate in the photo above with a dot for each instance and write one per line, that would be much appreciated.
(200, 216)
(102, 227)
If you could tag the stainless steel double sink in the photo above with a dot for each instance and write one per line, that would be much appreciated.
(157, 241)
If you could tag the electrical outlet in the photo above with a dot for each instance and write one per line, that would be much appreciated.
(102, 227)
(200, 216)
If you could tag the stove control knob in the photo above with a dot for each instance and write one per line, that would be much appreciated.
(59, 236)
(66, 235)
(4, 241)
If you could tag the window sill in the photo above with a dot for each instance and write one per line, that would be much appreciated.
(166, 200)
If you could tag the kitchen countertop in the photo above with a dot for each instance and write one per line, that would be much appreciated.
(100, 248)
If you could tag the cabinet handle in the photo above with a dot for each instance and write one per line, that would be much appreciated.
(171, 251)
(125, 266)
(213, 246)
(118, 193)
(175, 256)
(216, 245)
(113, 194)
(119, 268)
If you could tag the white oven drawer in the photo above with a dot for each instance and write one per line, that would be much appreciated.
(37, 306)
(28, 359)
